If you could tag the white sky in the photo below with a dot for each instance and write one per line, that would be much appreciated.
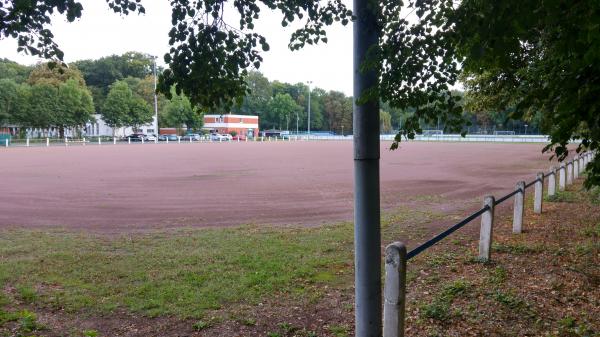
(100, 32)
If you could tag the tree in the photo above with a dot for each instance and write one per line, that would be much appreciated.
(14, 71)
(259, 94)
(100, 74)
(123, 108)
(43, 106)
(386, 121)
(54, 74)
(116, 106)
(75, 106)
(280, 111)
(8, 100)
(338, 111)
(179, 112)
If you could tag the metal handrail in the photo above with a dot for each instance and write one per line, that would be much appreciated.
(429, 243)
(416, 251)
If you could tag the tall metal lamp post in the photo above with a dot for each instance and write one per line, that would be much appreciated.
(155, 96)
(308, 129)
(367, 226)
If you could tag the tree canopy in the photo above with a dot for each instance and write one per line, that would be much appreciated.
(123, 107)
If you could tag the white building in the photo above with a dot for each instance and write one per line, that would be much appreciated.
(100, 128)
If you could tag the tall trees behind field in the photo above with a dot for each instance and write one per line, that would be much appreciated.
(49, 97)
(271, 100)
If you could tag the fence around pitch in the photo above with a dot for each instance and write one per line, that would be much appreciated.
(397, 256)
(106, 140)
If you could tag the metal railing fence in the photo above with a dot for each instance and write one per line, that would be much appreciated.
(396, 255)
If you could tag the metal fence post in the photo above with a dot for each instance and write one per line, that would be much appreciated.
(394, 305)
(569, 173)
(562, 179)
(487, 227)
(552, 181)
(518, 208)
(538, 193)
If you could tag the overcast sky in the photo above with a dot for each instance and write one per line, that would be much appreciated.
(101, 32)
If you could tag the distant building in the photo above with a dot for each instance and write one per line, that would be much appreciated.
(243, 125)
(100, 128)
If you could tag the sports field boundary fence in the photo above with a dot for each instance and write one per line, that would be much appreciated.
(397, 256)
(107, 140)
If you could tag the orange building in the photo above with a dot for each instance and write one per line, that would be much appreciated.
(243, 125)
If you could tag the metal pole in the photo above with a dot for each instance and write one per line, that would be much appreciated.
(309, 83)
(367, 228)
(155, 97)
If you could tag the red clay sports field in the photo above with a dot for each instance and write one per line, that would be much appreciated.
(120, 188)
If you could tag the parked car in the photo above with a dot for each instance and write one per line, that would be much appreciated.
(162, 138)
(171, 138)
(217, 137)
(136, 137)
(241, 138)
(192, 136)
(151, 138)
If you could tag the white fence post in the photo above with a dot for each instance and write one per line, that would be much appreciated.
(99, 141)
(569, 173)
(518, 208)
(487, 227)
(28, 142)
(66, 141)
(552, 181)
(142, 140)
(394, 291)
(114, 140)
(576, 168)
(6, 142)
(178, 139)
(167, 140)
(562, 179)
(538, 193)
(47, 142)
(128, 140)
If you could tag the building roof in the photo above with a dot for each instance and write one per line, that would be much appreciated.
(231, 115)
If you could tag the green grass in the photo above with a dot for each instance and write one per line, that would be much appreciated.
(562, 196)
(183, 273)
(439, 307)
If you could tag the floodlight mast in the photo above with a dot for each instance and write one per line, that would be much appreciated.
(155, 96)
(308, 128)
(367, 231)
